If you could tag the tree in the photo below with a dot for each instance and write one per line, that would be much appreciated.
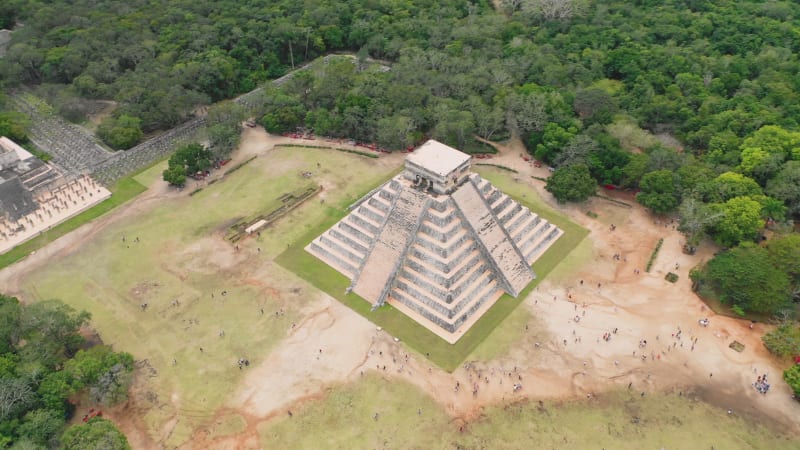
(175, 175)
(745, 277)
(571, 184)
(595, 106)
(106, 373)
(729, 185)
(10, 314)
(395, 132)
(792, 378)
(547, 144)
(741, 221)
(633, 172)
(455, 128)
(121, 133)
(551, 9)
(224, 124)
(14, 126)
(41, 427)
(783, 341)
(50, 332)
(488, 119)
(577, 151)
(695, 218)
(96, 434)
(658, 191)
(526, 113)
(192, 158)
(15, 395)
(785, 186)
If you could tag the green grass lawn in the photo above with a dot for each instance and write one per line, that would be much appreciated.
(408, 418)
(181, 255)
(124, 190)
(441, 353)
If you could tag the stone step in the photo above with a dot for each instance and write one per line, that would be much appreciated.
(509, 213)
(418, 292)
(355, 231)
(381, 205)
(483, 185)
(445, 266)
(524, 233)
(348, 241)
(522, 218)
(439, 233)
(495, 195)
(444, 249)
(332, 260)
(489, 293)
(348, 253)
(486, 286)
(474, 275)
(500, 203)
(439, 319)
(543, 244)
(534, 236)
(371, 213)
(364, 223)
(441, 277)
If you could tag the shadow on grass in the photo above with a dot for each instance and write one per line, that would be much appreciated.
(124, 190)
(445, 355)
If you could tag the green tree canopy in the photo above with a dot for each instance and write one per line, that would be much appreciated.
(96, 434)
(121, 133)
(745, 277)
(571, 184)
(740, 221)
(729, 185)
(658, 191)
(792, 378)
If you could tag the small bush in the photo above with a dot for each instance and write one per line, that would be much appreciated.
(671, 277)
(738, 310)
(653, 255)
(592, 214)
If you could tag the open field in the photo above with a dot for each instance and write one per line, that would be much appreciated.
(344, 418)
(445, 355)
(122, 191)
(313, 356)
(174, 257)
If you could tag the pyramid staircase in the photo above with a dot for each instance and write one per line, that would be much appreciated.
(443, 260)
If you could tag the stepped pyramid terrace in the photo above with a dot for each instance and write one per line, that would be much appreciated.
(437, 242)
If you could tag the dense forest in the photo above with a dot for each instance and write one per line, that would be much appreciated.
(45, 366)
(694, 104)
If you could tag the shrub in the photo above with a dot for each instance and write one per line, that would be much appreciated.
(671, 277)
(653, 255)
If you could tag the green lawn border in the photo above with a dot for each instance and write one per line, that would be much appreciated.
(122, 191)
(447, 356)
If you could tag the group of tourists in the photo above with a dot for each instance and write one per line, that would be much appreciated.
(761, 384)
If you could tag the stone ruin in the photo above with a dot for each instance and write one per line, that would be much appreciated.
(437, 242)
(35, 196)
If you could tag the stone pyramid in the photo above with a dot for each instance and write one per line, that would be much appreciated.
(437, 242)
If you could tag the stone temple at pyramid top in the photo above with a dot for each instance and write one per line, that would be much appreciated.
(436, 242)
(437, 167)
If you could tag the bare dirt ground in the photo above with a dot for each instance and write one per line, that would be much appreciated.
(561, 355)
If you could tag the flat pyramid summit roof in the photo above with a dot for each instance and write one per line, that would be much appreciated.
(438, 158)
